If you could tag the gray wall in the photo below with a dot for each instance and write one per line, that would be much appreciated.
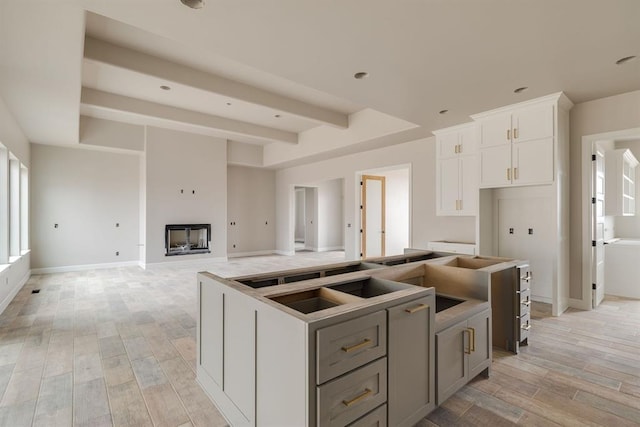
(86, 193)
(251, 205)
(330, 215)
(610, 114)
(178, 161)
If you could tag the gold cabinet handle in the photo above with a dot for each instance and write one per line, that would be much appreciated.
(358, 398)
(417, 308)
(467, 350)
(455, 149)
(508, 174)
(472, 339)
(365, 343)
(459, 148)
(515, 133)
(460, 205)
(527, 327)
(515, 173)
(509, 134)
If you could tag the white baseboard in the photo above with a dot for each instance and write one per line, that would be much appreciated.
(84, 267)
(330, 248)
(285, 253)
(538, 298)
(4, 304)
(254, 253)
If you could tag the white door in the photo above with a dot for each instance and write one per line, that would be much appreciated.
(373, 220)
(597, 230)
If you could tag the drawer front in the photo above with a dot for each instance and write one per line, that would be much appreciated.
(525, 302)
(525, 326)
(351, 396)
(525, 277)
(375, 418)
(348, 345)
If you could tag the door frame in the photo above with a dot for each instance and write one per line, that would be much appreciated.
(588, 145)
(363, 213)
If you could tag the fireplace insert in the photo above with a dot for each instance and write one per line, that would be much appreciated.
(185, 239)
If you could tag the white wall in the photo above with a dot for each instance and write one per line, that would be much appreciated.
(86, 193)
(396, 210)
(609, 114)
(330, 215)
(178, 161)
(111, 134)
(310, 216)
(425, 225)
(251, 206)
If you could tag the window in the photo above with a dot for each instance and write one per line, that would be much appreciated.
(4, 205)
(14, 207)
(24, 209)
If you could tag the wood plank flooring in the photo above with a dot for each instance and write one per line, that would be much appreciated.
(116, 347)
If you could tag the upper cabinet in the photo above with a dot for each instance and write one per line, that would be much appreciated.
(457, 171)
(620, 189)
(517, 144)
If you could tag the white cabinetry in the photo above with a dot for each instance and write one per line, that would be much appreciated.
(457, 171)
(517, 146)
(620, 187)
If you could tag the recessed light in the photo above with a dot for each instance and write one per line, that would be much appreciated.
(625, 59)
(443, 111)
(165, 87)
(520, 89)
(193, 4)
(228, 103)
(361, 75)
(277, 116)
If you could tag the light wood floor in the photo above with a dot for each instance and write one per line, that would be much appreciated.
(117, 347)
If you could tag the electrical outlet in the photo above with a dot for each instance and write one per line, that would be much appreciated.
(117, 253)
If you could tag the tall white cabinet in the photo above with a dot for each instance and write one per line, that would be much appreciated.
(524, 173)
(457, 170)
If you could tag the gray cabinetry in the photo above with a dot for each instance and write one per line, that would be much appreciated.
(462, 352)
(411, 359)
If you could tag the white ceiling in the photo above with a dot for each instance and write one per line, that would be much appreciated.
(296, 59)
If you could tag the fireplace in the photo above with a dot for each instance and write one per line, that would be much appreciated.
(185, 239)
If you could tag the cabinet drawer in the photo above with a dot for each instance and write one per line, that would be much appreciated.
(349, 397)
(348, 345)
(375, 418)
(525, 302)
(525, 326)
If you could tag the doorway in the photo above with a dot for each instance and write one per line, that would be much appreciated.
(299, 235)
(373, 216)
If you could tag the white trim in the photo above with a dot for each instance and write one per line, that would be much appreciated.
(285, 253)
(546, 300)
(254, 253)
(84, 267)
(329, 248)
(563, 102)
(4, 304)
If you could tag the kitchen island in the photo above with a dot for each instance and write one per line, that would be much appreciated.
(352, 348)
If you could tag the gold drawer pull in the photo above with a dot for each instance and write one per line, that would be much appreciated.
(515, 173)
(526, 328)
(515, 133)
(527, 302)
(357, 399)
(472, 338)
(417, 308)
(509, 134)
(358, 346)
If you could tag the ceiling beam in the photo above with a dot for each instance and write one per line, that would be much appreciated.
(108, 101)
(108, 53)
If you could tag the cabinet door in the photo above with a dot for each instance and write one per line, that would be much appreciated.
(468, 185)
(447, 143)
(411, 361)
(210, 357)
(495, 130)
(468, 140)
(533, 162)
(479, 327)
(495, 166)
(240, 353)
(451, 361)
(448, 186)
(533, 123)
